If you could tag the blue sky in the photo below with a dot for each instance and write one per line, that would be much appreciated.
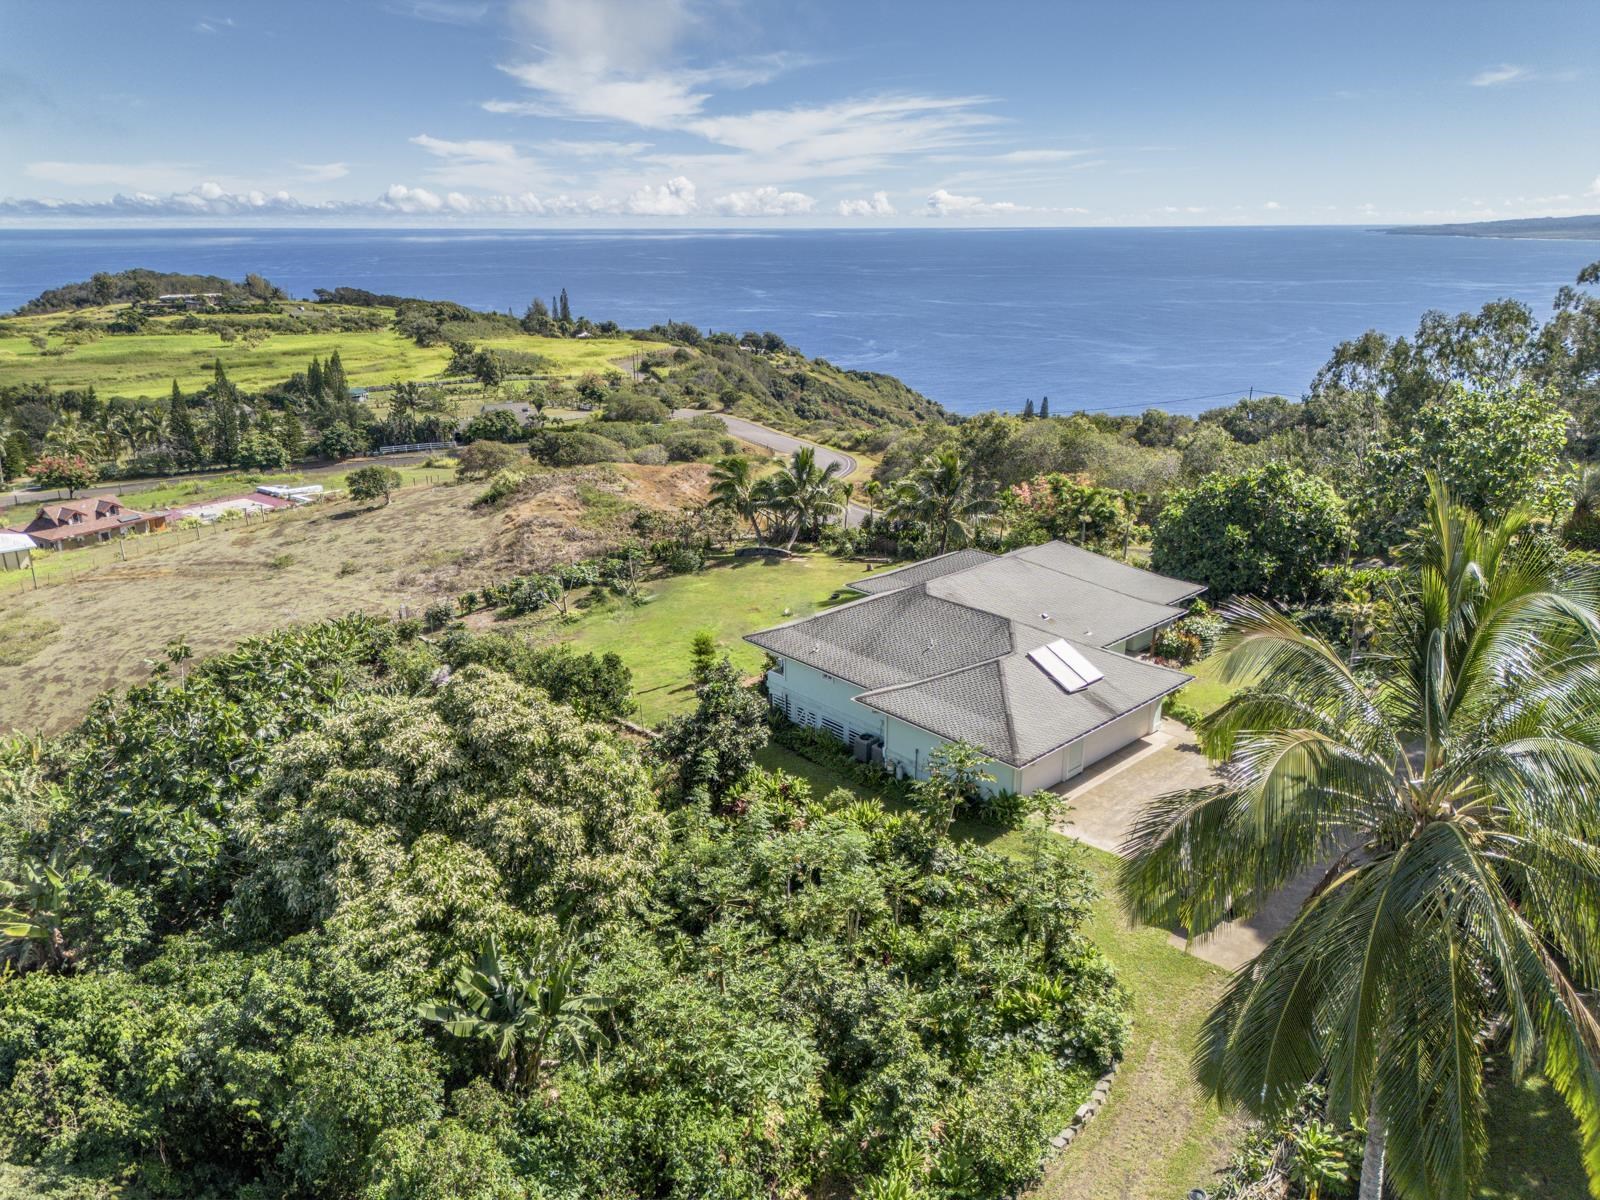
(806, 112)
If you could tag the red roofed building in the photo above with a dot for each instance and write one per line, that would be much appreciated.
(91, 519)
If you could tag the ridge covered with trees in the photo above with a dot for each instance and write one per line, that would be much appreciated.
(348, 913)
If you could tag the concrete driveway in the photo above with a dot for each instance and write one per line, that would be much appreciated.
(784, 443)
(1106, 798)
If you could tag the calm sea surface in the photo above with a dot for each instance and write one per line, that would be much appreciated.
(1100, 319)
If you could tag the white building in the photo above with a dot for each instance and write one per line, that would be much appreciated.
(15, 550)
(1028, 656)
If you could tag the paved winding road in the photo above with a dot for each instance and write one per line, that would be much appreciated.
(784, 443)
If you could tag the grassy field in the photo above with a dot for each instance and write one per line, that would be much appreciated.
(731, 598)
(65, 643)
(145, 364)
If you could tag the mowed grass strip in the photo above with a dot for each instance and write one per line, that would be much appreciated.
(730, 598)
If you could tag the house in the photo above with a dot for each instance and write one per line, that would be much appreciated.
(1030, 656)
(16, 549)
(67, 523)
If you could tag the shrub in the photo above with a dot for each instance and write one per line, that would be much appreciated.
(1178, 644)
(483, 458)
(1179, 709)
(654, 455)
(437, 616)
(631, 406)
(579, 449)
(683, 560)
(502, 487)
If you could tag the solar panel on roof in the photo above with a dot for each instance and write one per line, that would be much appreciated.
(1074, 658)
(1064, 664)
(1056, 667)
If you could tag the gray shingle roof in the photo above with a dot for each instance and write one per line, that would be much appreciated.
(1109, 573)
(920, 572)
(1015, 712)
(893, 638)
(1047, 599)
(943, 644)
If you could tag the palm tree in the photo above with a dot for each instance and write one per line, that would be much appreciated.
(942, 496)
(1452, 777)
(805, 495)
(521, 1005)
(734, 487)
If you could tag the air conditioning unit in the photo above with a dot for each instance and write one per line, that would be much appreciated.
(861, 745)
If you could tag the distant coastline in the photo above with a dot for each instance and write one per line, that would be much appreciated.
(1560, 229)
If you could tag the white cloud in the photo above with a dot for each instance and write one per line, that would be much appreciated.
(593, 149)
(675, 198)
(1272, 205)
(213, 24)
(1504, 73)
(468, 151)
(848, 136)
(877, 205)
(1594, 188)
(764, 202)
(1039, 156)
(323, 172)
(947, 204)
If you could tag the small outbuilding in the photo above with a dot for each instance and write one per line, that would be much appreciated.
(16, 550)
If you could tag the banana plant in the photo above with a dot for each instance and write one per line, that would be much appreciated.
(31, 915)
(521, 1007)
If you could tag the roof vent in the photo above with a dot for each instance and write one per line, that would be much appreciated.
(1044, 616)
(1066, 665)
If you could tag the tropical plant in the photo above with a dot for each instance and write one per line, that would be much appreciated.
(520, 1006)
(733, 487)
(804, 495)
(1444, 787)
(942, 496)
(30, 921)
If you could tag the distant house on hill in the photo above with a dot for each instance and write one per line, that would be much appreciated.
(70, 523)
(1031, 656)
(15, 550)
(186, 301)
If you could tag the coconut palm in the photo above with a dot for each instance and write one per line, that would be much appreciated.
(734, 487)
(805, 495)
(1451, 776)
(942, 496)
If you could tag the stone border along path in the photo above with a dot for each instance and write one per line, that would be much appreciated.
(1087, 1111)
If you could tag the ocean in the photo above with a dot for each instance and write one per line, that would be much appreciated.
(1101, 319)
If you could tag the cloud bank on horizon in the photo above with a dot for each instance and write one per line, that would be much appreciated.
(739, 111)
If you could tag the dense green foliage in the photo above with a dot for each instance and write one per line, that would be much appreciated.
(140, 284)
(349, 914)
(1264, 532)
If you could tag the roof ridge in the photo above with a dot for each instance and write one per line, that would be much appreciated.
(1198, 588)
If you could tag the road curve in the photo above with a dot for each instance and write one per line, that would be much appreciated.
(783, 443)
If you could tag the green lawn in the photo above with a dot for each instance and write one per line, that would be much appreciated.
(1208, 691)
(731, 598)
(145, 364)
